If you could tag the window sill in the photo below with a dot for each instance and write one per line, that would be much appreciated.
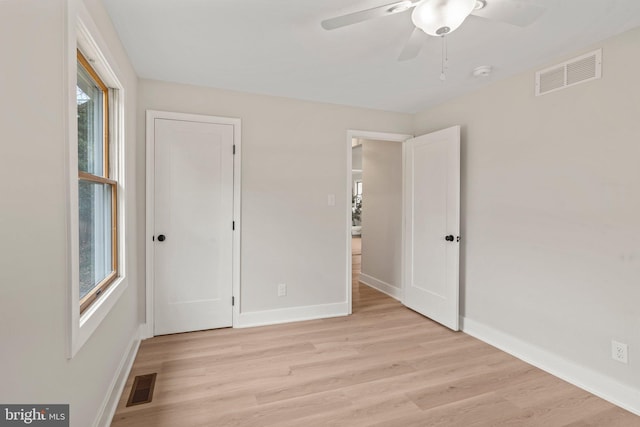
(88, 322)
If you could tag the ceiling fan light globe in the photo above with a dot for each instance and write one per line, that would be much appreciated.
(440, 17)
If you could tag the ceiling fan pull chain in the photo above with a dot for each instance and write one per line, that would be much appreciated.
(443, 63)
(446, 52)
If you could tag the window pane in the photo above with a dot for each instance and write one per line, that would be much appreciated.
(89, 98)
(95, 202)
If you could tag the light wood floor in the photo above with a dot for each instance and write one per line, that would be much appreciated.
(383, 366)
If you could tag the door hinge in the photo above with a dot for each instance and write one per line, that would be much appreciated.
(233, 301)
(234, 148)
(233, 225)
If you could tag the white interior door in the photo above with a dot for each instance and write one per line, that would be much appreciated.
(432, 225)
(193, 236)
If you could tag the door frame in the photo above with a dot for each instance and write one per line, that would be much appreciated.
(364, 134)
(151, 116)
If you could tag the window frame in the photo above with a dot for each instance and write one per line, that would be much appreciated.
(92, 296)
(83, 34)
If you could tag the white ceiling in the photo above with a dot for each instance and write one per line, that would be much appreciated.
(278, 47)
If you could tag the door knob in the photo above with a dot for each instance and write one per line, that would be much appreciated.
(161, 238)
(449, 238)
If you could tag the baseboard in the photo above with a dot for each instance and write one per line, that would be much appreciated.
(383, 287)
(110, 403)
(292, 314)
(587, 379)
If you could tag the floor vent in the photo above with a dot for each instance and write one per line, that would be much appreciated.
(142, 389)
(577, 70)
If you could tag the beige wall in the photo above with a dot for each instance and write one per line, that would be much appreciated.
(551, 209)
(293, 156)
(382, 213)
(34, 257)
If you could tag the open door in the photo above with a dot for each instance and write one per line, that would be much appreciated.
(432, 225)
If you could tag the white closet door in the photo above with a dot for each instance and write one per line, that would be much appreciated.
(193, 236)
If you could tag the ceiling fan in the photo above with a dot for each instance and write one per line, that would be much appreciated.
(441, 17)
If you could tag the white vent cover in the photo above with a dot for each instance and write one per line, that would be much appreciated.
(577, 70)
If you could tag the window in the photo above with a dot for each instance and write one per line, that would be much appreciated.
(97, 192)
(358, 188)
(97, 180)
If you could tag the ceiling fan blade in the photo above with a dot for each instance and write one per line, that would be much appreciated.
(365, 15)
(413, 46)
(514, 12)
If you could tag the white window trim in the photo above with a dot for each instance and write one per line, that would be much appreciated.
(83, 34)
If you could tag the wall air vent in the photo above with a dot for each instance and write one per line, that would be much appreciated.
(577, 70)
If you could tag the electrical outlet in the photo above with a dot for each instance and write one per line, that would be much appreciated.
(619, 351)
(282, 289)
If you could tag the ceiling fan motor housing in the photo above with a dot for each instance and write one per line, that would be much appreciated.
(440, 17)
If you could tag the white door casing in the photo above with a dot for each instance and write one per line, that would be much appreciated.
(193, 272)
(432, 213)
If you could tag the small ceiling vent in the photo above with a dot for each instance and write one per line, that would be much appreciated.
(577, 70)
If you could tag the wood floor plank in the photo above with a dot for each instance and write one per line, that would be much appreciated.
(195, 411)
(573, 407)
(329, 381)
(486, 409)
(539, 390)
(361, 413)
(277, 413)
(470, 386)
(610, 417)
(384, 365)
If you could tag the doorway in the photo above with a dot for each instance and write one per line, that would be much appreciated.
(427, 256)
(377, 214)
(355, 135)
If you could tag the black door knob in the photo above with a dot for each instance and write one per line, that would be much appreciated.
(449, 238)
(161, 238)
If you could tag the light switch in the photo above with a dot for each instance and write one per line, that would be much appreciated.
(331, 199)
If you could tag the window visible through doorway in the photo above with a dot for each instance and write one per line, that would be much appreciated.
(357, 189)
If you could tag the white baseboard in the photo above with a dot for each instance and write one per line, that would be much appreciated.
(293, 314)
(383, 287)
(587, 379)
(110, 403)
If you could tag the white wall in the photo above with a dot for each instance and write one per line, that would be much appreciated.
(33, 191)
(382, 215)
(293, 156)
(356, 157)
(550, 212)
